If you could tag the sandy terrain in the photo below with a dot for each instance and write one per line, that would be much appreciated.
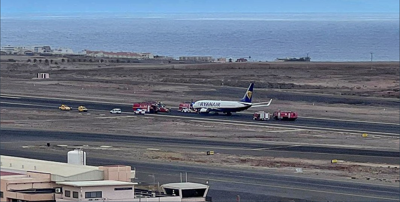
(377, 83)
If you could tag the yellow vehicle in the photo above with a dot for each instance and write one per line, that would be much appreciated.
(64, 108)
(82, 109)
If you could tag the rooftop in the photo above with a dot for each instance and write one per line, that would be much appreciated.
(185, 185)
(114, 53)
(5, 173)
(96, 183)
(59, 171)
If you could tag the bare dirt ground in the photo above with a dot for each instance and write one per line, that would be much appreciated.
(378, 83)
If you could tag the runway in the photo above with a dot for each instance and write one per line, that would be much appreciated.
(226, 183)
(350, 154)
(349, 126)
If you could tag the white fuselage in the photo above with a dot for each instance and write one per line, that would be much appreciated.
(220, 106)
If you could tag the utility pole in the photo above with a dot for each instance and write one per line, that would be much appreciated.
(372, 55)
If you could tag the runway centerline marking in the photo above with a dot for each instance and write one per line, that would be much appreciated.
(67, 99)
(276, 125)
(251, 124)
(14, 103)
(336, 119)
(11, 97)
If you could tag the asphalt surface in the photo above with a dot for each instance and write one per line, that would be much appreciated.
(226, 184)
(237, 148)
(306, 123)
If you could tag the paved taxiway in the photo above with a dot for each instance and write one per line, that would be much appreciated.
(227, 183)
(237, 148)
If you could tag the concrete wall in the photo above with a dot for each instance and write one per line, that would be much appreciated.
(32, 180)
(108, 192)
(81, 195)
(118, 173)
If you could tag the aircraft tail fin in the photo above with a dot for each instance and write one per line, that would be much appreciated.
(249, 94)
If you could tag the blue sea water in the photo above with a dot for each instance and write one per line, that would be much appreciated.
(325, 37)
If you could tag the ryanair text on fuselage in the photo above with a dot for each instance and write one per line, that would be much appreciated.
(209, 104)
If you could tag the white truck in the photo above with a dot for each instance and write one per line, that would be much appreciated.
(261, 116)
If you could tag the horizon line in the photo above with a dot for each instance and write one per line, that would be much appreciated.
(211, 12)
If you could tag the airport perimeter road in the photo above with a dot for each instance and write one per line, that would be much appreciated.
(226, 183)
(236, 148)
(307, 123)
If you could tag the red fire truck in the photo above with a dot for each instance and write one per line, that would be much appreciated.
(150, 107)
(162, 107)
(285, 115)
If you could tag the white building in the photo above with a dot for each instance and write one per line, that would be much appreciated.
(187, 191)
(197, 58)
(221, 60)
(61, 51)
(109, 190)
(125, 55)
(9, 49)
(15, 49)
(22, 49)
(147, 55)
(31, 180)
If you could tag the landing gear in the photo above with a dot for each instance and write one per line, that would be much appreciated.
(229, 113)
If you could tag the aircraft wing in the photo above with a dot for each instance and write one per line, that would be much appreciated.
(261, 104)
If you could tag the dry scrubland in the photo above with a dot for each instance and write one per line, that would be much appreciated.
(359, 79)
(176, 83)
(378, 82)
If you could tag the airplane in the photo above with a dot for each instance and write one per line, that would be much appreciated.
(227, 107)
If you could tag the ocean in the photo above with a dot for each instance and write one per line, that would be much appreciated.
(258, 37)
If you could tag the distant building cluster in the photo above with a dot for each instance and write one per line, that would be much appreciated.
(32, 50)
(210, 59)
(108, 56)
(127, 55)
(197, 58)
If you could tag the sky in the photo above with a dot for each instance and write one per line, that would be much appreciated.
(199, 6)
